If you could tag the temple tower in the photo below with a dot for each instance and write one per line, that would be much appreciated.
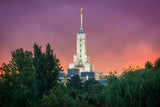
(81, 60)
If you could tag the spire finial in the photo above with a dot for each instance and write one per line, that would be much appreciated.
(81, 11)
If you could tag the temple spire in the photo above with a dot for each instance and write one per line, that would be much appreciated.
(81, 17)
(81, 28)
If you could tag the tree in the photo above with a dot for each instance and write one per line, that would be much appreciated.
(47, 67)
(59, 97)
(133, 88)
(91, 90)
(88, 84)
(148, 65)
(75, 82)
(157, 63)
(111, 77)
(16, 79)
(26, 77)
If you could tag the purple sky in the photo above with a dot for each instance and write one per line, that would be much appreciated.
(119, 32)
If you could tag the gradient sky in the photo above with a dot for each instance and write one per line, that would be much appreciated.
(120, 33)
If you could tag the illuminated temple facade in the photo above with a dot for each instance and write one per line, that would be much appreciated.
(81, 60)
(81, 63)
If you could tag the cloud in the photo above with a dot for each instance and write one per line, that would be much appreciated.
(113, 29)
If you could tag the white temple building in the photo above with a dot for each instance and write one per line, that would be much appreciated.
(81, 63)
(81, 60)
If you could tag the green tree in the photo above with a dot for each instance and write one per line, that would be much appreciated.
(47, 67)
(91, 90)
(148, 65)
(111, 77)
(94, 94)
(74, 86)
(88, 84)
(26, 77)
(157, 63)
(59, 97)
(16, 79)
(133, 88)
(75, 82)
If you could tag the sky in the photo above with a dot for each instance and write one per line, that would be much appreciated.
(120, 33)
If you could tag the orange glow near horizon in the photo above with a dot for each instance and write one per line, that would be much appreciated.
(119, 33)
(111, 62)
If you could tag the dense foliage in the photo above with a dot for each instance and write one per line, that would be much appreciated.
(134, 88)
(31, 80)
(26, 78)
(16, 79)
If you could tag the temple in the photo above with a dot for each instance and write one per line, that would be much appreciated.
(81, 63)
(81, 60)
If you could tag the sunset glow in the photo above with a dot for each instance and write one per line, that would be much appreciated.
(120, 33)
